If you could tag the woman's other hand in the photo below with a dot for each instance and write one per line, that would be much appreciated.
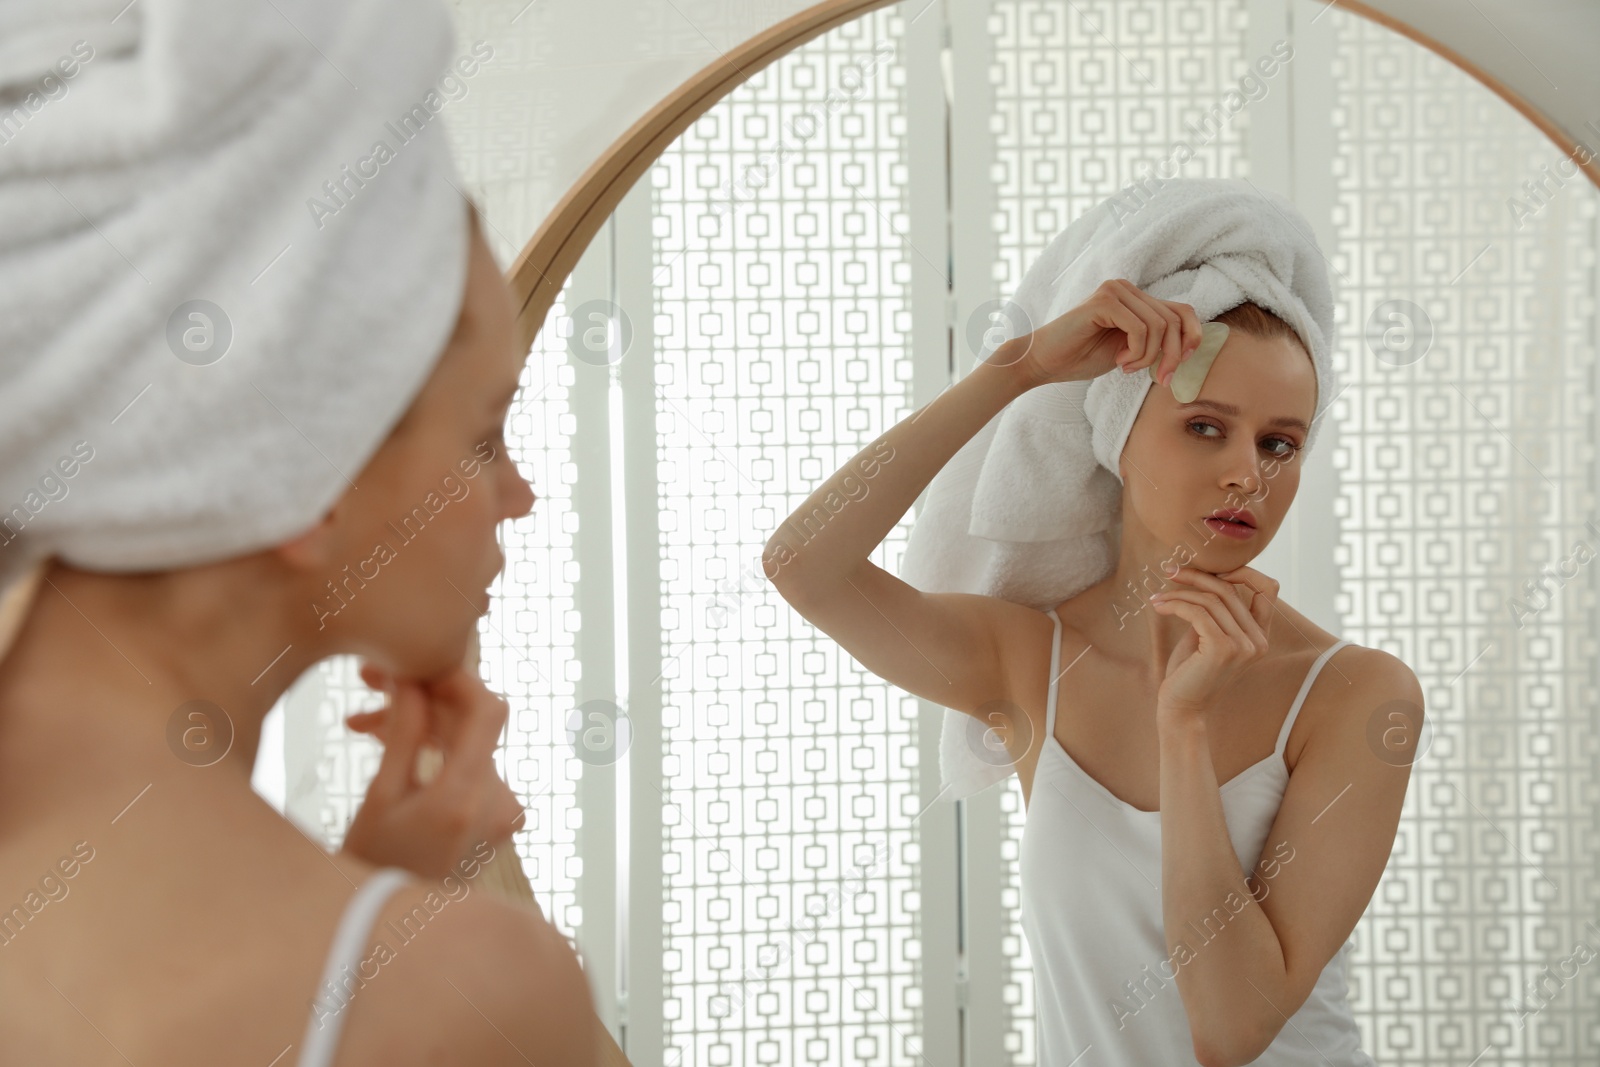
(1120, 325)
(429, 827)
(1229, 615)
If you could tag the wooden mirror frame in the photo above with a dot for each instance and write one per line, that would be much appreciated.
(544, 264)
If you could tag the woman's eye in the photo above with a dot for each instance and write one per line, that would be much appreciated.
(1289, 447)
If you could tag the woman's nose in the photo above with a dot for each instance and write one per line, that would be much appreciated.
(1245, 476)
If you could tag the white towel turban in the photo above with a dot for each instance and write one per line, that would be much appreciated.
(1029, 509)
(232, 248)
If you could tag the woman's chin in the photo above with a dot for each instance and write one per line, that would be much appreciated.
(443, 654)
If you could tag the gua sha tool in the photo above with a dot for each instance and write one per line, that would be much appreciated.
(1189, 375)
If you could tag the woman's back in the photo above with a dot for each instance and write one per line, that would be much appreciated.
(194, 927)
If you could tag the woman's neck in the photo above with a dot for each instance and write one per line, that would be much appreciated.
(102, 692)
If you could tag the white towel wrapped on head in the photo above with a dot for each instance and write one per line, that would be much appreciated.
(217, 292)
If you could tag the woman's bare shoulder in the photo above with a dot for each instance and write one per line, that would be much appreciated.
(460, 974)
(1298, 634)
(479, 979)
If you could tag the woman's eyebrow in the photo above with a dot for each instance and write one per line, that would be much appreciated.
(1229, 409)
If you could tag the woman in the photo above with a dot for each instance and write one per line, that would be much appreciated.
(236, 269)
(1128, 766)
(196, 921)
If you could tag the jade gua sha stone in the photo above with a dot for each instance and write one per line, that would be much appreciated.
(1188, 376)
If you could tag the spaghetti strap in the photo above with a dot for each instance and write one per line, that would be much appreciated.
(350, 938)
(1055, 680)
(1305, 687)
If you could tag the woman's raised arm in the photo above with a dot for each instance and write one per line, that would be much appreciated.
(949, 647)
(927, 644)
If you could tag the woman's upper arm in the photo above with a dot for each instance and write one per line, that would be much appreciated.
(1335, 829)
(532, 1000)
(958, 650)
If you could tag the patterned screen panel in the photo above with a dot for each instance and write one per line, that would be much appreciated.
(789, 850)
(1467, 249)
(345, 761)
(1090, 97)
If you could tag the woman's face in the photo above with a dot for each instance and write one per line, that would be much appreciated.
(1234, 446)
(411, 552)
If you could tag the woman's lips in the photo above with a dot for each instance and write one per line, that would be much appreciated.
(1237, 531)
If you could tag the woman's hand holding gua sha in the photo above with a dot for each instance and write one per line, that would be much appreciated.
(1191, 373)
(1120, 325)
(429, 821)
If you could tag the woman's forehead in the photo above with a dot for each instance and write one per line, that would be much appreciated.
(1258, 378)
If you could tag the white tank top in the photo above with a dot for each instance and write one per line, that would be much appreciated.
(350, 938)
(1091, 909)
